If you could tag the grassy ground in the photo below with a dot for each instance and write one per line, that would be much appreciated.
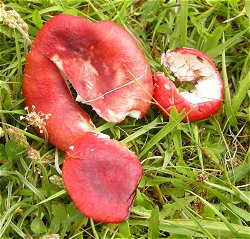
(196, 175)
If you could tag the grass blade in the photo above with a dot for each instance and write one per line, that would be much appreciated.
(218, 50)
(142, 131)
(154, 224)
(240, 95)
(218, 213)
(161, 134)
(183, 22)
(228, 108)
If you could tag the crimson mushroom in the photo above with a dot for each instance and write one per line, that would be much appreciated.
(101, 176)
(103, 63)
(109, 72)
(193, 66)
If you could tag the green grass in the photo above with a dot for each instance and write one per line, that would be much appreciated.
(196, 175)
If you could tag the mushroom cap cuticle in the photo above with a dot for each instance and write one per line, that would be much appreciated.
(189, 65)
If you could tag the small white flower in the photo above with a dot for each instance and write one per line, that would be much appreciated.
(35, 119)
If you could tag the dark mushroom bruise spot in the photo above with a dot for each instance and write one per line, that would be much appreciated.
(189, 65)
(103, 63)
(199, 59)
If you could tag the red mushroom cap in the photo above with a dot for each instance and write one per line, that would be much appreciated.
(101, 176)
(102, 61)
(189, 65)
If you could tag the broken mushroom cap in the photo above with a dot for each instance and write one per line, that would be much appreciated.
(101, 176)
(109, 72)
(103, 63)
(193, 66)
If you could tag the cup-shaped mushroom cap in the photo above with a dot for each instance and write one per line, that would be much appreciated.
(101, 176)
(192, 66)
(103, 63)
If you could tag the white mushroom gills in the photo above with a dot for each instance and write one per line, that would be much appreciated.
(190, 68)
(135, 114)
(102, 136)
(58, 61)
(80, 99)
